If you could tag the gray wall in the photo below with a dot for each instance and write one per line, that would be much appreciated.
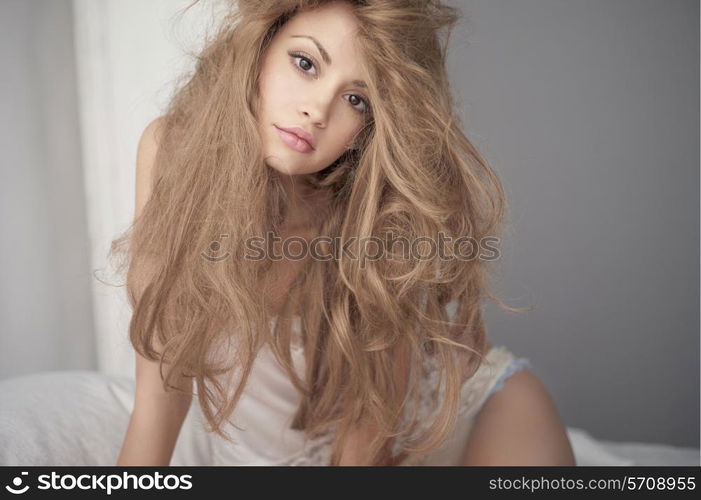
(589, 112)
(45, 302)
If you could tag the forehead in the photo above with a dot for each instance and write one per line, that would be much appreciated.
(333, 25)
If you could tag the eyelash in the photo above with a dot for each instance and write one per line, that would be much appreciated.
(295, 55)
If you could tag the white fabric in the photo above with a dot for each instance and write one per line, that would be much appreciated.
(260, 423)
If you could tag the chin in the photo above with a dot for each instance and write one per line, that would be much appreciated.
(283, 167)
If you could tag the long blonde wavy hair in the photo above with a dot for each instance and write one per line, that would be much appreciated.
(413, 173)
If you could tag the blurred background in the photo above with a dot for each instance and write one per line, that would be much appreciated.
(588, 110)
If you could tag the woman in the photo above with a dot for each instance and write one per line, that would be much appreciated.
(329, 125)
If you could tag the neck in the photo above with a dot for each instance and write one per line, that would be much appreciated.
(303, 202)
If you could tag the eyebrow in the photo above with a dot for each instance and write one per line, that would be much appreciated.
(325, 56)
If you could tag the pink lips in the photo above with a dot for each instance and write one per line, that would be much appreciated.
(296, 139)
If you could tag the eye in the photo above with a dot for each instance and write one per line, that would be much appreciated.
(307, 62)
(359, 100)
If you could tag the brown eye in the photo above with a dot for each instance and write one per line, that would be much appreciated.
(356, 100)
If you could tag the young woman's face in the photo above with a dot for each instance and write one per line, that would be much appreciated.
(316, 88)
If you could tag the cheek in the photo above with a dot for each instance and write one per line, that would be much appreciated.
(278, 87)
(271, 85)
(352, 132)
(340, 141)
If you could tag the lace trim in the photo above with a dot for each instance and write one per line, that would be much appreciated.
(316, 453)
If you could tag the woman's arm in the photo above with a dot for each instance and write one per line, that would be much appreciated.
(158, 415)
(156, 420)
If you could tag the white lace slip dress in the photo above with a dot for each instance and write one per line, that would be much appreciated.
(269, 401)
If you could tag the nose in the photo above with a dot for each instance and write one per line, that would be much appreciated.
(315, 117)
(318, 107)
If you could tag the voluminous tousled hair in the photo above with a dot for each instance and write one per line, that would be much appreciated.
(413, 173)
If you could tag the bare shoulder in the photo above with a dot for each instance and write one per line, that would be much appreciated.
(145, 157)
(148, 144)
(150, 134)
(519, 425)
